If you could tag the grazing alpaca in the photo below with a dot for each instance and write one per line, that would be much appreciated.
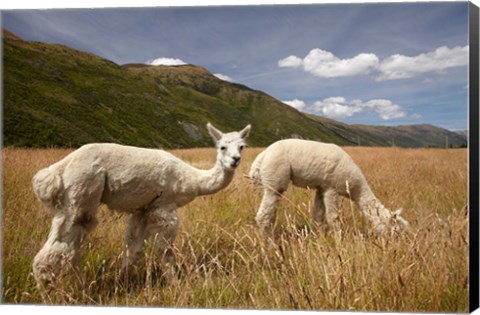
(324, 167)
(150, 184)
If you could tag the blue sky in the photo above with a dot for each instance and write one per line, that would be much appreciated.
(382, 64)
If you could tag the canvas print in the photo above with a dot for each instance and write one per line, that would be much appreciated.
(272, 157)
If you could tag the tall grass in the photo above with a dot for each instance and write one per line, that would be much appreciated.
(223, 262)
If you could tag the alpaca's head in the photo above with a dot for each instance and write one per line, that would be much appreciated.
(229, 146)
(394, 223)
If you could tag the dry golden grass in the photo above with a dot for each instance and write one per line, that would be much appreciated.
(222, 261)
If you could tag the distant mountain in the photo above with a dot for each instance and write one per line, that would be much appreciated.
(462, 132)
(57, 96)
(423, 135)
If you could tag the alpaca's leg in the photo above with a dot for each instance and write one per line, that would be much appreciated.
(135, 236)
(83, 224)
(70, 225)
(159, 223)
(62, 247)
(48, 261)
(318, 211)
(162, 226)
(267, 213)
(331, 206)
(324, 208)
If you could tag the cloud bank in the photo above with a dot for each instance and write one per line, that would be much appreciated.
(322, 63)
(402, 67)
(339, 107)
(325, 64)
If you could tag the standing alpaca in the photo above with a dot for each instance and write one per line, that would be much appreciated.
(325, 167)
(150, 184)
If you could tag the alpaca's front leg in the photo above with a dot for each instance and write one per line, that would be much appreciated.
(318, 210)
(267, 213)
(135, 236)
(162, 226)
(330, 199)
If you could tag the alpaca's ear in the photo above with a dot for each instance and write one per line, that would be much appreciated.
(214, 132)
(245, 132)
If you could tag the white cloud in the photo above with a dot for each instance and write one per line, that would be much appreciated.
(290, 62)
(296, 103)
(402, 67)
(322, 63)
(385, 108)
(336, 107)
(223, 77)
(325, 64)
(339, 107)
(166, 62)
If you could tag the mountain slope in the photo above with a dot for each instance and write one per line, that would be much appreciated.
(57, 96)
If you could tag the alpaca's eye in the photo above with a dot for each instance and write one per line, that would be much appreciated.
(241, 147)
(223, 148)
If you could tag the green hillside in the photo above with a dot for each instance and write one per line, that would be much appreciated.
(55, 96)
(58, 96)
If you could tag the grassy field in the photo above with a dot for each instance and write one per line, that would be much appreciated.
(222, 261)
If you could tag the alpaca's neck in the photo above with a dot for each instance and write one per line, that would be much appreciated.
(213, 180)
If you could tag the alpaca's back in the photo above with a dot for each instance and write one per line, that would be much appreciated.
(135, 176)
(308, 164)
(125, 174)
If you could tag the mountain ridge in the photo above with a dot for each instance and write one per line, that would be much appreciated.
(58, 96)
(424, 135)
